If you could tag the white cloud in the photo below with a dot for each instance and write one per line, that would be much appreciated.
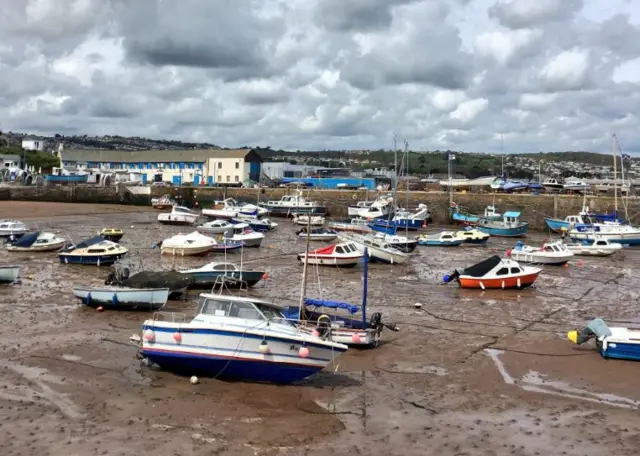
(468, 110)
(567, 70)
(502, 45)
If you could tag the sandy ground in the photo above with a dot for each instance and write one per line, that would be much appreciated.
(471, 373)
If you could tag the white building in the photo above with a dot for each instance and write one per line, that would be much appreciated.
(33, 144)
(9, 161)
(278, 170)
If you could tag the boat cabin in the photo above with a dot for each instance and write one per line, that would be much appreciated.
(220, 308)
(182, 210)
(490, 211)
(346, 248)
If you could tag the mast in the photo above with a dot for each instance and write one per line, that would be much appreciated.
(450, 180)
(365, 279)
(303, 290)
(502, 153)
(406, 190)
(615, 173)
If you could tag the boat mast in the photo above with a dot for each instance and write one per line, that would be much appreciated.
(365, 274)
(303, 290)
(406, 190)
(615, 174)
(502, 153)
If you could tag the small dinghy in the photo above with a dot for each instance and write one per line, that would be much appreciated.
(216, 227)
(187, 244)
(9, 274)
(95, 251)
(443, 239)
(123, 298)
(12, 228)
(345, 254)
(243, 234)
(179, 215)
(317, 234)
(164, 202)
(36, 242)
(402, 243)
(495, 273)
(227, 245)
(227, 274)
(303, 219)
(472, 236)
(257, 225)
(600, 247)
(111, 234)
(611, 342)
(354, 225)
(176, 282)
(552, 253)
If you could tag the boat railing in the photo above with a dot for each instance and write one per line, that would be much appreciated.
(173, 317)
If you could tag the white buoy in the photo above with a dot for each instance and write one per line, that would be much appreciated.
(263, 347)
(149, 335)
(131, 226)
(503, 284)
(193, 380)
(482, 285)
(518, 282)
(417, 305)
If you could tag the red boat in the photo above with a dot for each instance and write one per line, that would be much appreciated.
(495, 273)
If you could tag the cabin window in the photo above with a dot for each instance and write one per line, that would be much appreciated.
(548, 249)
(503, 271)
(243, 310)
(515, 270)
(214, 307)
(271, 313)
(112, 248)
(96, 250)
(224, 267)
(340, 250)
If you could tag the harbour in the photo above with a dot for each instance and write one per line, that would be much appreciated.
(470, 371)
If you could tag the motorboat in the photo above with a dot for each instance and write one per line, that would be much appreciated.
(509, 226)
(585, 217)
(412, 220)
(291, 204)
(9, 273)
(237, 338)
(362, 207)
(176, 282)
(230, 208)
(599, 247)
(472, 236)
(402, 243)
(553, 185)
(575, 185)
(116, 298)
(515, 186)
(306, 220)
(242, 233)
(610, 186)
(558, 226)
(498, 183)
(354, 209)
(611, 342)
(376, 248)
(260, 225)
(317, 234)
(179, 215)
(111, 234)
(164, 202)
(344, 254)
(95, 251)
(442, 239)
(36, 242)
(223, 245)
(552, 253)
(12, 228)
(223, 274)
(187, 244)
(460, 216)
(380, 208)
(495, 273)
(613, 232)
(216, 227)
(354, 225)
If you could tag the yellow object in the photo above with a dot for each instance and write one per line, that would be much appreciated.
(110, 231)
(573, 336)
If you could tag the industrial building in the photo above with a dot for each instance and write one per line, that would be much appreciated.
(233, 167)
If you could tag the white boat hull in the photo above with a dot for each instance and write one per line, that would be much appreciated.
(248, 240)
(591, 250)
(123, 298)
(318, 237)
(177, 219)
(224, 214)
(540, 257)
(186, 251)
(328, 260)
(214, 230)
(49, 247)
(315, 221)
(9, 274)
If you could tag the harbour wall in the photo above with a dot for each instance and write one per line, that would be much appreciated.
(533, 207)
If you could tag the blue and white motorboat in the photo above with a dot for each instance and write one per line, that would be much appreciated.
(227, 274)
(586, 217)
(243, 234)
(227, 245)
(406, 220)
(514, 186)
(442, 239)
(558, 226)
(12, 228)
(403, 243)
(611, 342)
(237, 338)
(472, 236)
(377, 248)
(461, 217)
(612, 232)
(115, 298)
(259, 225)
(36, 242)
(509, 226)
(95, 251)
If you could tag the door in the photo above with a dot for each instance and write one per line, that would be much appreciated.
(144, 179)
(254, 171)
(210, 181)
(176, 180)
(196, 179)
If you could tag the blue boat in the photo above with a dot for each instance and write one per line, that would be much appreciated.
(464, 218)
(95, 251)
(615, 343)
(509, 226)
(226, 245)
(443, 239)
(383, 226)
(512, 186)
(558, 226)
(406, 220)
(257, 225)
(71, 178)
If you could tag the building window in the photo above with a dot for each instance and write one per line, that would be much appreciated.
(237, 178)
(219, 178)
(219, 165)
(228, 178)
(237, 165)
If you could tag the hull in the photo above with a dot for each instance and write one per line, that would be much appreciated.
(162, 206)
(385, 256)
(249, 242)
(216, 230)
(327, 260)
(506, 283)
(37, 248)
(227, 247)
(553, 187)
(540, 258)
(465, 219)
(7, 233)
(207, 279)
(219, 214)
(354, 211)
(406, 247)
(123, 299)
(438, 243)
(186, 251)
(350, 227)
(287, 211)
(592, 251)
(623, 238)
(97, 260)
(177, 219)
(112, 237)
(476, 241)
(409, 224)
(556, 225)
(621, 350)
(9, 274)
(518, 231)
(319, 237)
(313, 222)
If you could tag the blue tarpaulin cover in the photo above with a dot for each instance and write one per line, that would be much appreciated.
(90, 242)
(27, 240)
(352, 308)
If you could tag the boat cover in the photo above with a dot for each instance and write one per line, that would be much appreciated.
(351, 308)
(512, 214)
(317, 231)
(480, 269)
(27, 240)
(172, 280)
(90, 242)
(324, 250)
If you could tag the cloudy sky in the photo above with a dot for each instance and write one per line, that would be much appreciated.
(309, 74)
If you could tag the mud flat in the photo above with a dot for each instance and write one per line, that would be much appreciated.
(470, 373)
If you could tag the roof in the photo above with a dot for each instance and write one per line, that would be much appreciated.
(141, 156)
(242, 299)
(511, 214)
(10, 157)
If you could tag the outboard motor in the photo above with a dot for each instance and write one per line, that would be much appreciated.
(111, 279)
(124, 275)
(323, 326)
(376, 321)
(595, 328)
(450, 277)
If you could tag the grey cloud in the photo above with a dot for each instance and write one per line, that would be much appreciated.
(360, 15)
(530, 13)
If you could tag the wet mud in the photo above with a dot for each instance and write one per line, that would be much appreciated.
(470, 373)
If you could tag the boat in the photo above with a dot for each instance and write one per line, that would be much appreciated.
(344, 254)
(552, 253)
(354, 225)
(620, 234)
(187, 244)
(459, 216)
(12, 228)
(380, 208)
(96, 250)
(212, 274)
(553, 185)
(36, 242)
(412, 220)
(176, 282)
(237, 338)
(378, 249)
(306, 220)
(442, 239)
(558, 226)
(514, 186)
(599, 247)
(495, 273)
(179, 215)
(472, 236)
(69, 178)
(9, 273)
(226, 245)
(317, 234)
(259, 225)
(498, 183)
(216, 227)
(291, 204)
(610, 186)
(354, 209)
(111, 234)
(402, 243)
(230, 208)
(116, 298)
(243, 234)
(575, 185)
(164, 202)
(611, 342)
(509, 226)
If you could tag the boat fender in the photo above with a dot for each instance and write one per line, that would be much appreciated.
(503, 284)
(482, 286)
(376, 321)
(303, 352)
(519, 284)
(177, 337)
(263, 347)
(149, 335)
(114, 299)
(323, 325)
(89, 298)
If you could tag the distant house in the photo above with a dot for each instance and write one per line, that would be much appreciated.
(9, 161)
(232, 167)
(33, 144)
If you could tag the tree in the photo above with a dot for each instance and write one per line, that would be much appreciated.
(42, 160)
